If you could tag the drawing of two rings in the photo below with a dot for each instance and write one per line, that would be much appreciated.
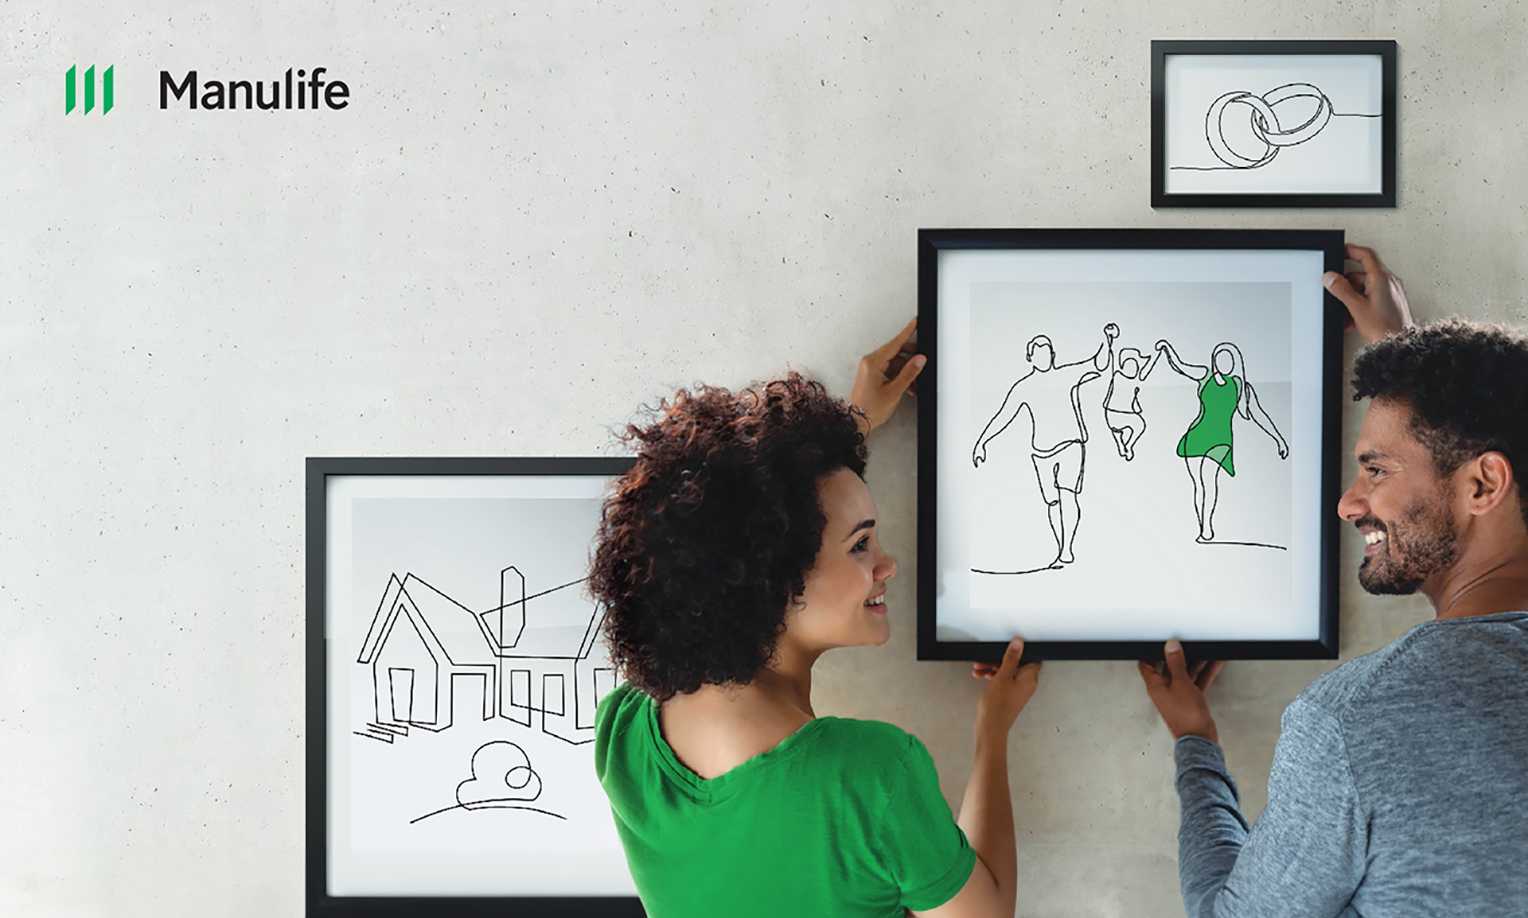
(1265, 122)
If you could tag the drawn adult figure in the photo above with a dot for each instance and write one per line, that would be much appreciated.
(1207, 447)
(740, 547)
(1058, 431)
(1122, 403)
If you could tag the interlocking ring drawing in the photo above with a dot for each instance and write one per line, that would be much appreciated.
(1265, 124)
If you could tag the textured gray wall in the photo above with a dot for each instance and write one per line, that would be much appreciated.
(528, 220)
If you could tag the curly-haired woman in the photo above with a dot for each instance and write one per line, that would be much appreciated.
(741, 546)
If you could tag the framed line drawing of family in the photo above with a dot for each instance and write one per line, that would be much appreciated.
(1059, 428)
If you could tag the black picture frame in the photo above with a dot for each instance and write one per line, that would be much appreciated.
(931, 242)
(1385, 49)
(319, 904)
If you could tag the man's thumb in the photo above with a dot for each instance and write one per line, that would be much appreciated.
(1176, 664)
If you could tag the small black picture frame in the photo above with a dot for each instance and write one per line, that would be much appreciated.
(1223, 176)
(319, 902)
(1321, 352)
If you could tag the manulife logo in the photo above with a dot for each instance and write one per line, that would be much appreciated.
(71, 95)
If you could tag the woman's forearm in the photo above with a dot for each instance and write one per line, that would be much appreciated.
(986, 813)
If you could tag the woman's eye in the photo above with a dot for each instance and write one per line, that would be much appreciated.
(862, 544)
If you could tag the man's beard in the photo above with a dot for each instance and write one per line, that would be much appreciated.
(1418, 545)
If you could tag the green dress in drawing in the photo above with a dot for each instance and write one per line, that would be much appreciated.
(1210, 434)
(1205, 448)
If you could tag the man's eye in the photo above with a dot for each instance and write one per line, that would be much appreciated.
(1375, 472)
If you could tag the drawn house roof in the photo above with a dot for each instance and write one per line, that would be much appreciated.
(561, 623)
(448, 628)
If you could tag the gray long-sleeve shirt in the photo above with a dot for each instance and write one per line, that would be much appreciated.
(1399, 787)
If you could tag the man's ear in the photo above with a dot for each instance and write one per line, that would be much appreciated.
(1489, 481)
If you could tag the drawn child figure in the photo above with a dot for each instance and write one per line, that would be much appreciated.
(1122, 403)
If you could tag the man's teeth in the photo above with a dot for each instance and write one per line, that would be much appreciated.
(1374, 538)
(877, 601)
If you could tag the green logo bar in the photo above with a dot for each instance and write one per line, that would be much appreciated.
(90, 90)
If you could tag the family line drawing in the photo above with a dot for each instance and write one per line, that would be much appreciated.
(1059, 430)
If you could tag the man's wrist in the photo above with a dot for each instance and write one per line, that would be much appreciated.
(1207, 733)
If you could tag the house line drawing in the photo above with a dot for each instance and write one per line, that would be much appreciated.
(533, 659)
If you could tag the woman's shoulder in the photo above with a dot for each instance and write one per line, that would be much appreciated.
(866, 740)
(621, 709)
(620, 705)
(871, 761)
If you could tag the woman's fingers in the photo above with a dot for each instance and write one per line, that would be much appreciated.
(1366, 257)
(886, 351)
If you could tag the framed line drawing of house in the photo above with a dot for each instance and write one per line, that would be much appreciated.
(1126, 436)
(1288, 123)
(455, 661)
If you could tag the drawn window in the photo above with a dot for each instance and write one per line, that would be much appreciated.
(551, 693)
(520, 688)
(604, 683)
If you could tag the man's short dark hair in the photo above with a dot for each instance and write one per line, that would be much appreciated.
(1466, 384)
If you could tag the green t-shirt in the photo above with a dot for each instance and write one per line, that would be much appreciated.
(844, 818)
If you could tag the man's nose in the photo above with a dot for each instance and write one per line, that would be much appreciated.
(1352, 505)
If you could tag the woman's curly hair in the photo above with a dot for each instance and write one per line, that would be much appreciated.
(708, 538)
(1466, 384)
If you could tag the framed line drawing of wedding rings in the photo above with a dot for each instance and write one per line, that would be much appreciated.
(1304, 123)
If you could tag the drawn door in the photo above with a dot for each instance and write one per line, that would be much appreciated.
(401, 690)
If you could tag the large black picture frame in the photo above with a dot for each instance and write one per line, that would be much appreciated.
(1161, 49)
(931, 242)
(318, 901)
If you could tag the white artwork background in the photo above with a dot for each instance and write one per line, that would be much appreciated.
(1139, 573)
(1345, 157)
(457, 533)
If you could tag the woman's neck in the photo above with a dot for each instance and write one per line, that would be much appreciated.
(787, 679)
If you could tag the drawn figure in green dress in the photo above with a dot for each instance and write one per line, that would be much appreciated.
(1207, 447)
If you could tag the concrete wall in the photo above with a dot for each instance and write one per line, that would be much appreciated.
(532, 216)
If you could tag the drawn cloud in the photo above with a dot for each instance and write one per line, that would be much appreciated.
(501, 774)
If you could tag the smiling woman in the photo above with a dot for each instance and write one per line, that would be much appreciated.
(741, 546)
(712, 532)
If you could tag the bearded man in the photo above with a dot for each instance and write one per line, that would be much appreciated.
(1400, 780)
